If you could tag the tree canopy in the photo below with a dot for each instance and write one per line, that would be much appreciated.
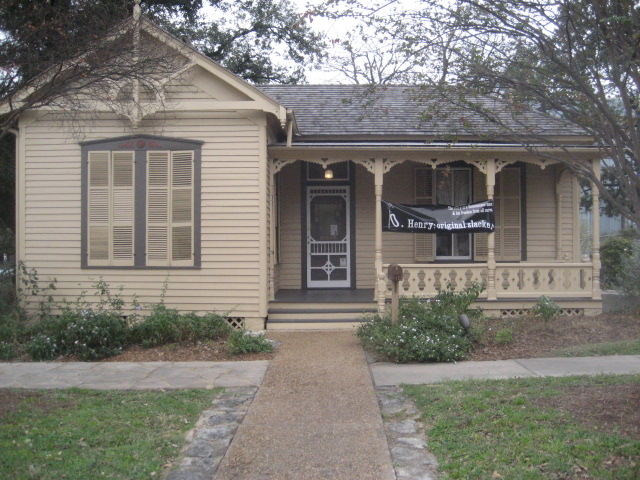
(574, 59)
(63, 53)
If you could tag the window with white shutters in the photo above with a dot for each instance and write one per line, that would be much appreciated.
(141, 203)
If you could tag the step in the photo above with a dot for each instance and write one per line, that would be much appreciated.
(306, 324)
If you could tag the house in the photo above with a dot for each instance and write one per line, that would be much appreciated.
(266, 202)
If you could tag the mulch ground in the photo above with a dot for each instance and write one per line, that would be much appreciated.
(534, 338)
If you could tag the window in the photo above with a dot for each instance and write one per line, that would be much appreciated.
(453, 187)
(141, 202)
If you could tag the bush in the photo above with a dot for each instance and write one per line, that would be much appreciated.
(89, 335)
(242, 342)
(425, 331)
(614, 255)
(7, 351)
(167, 325)
(42, 348)
(546, 309)
(504, 335)
(159, 328)
(630, 276)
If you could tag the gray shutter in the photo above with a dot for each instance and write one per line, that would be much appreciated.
(424, 243)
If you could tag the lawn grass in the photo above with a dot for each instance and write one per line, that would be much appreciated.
(506, 429)
(624, 347)
(85, 434)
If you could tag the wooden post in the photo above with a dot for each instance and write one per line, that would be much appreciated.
(394, 274)
(491, 257)
(595, 241)
(381, 281)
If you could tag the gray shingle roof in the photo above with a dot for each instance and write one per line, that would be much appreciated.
(356, 110)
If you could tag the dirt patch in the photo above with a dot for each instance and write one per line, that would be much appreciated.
(534, 338)
(601, 407)
(12, 400)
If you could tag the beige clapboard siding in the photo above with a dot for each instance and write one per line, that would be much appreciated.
(541, 214)
(290, 221)
(229, 276)
(365, 226)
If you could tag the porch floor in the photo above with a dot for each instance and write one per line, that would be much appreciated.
(338, 295)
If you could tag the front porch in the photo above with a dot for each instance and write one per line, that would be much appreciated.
(534, 251)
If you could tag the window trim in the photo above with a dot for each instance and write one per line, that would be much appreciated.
(141, 144)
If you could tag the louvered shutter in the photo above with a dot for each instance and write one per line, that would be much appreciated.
(158, 190)
(182, 208)
(122, 208)
(98, 208)
(510, 216)
(424, 242)
(480, 249)
(110, 208)
(170, 208)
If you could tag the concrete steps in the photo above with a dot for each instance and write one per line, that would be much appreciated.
(317, 316)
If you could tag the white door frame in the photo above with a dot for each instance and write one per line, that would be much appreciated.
(340, 250)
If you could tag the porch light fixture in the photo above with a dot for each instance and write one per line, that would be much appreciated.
(328, 174)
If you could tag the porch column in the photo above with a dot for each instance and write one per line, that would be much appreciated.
(595, 241)
(381, 284)
(272, 234)
(491, 257)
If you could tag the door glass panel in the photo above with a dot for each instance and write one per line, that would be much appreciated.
(328, 220)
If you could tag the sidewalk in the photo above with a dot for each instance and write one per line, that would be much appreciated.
(388, 374)
(132, 375)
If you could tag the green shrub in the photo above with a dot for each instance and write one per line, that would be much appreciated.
(425, 331)
(630, 276)
(614, 255)
(95, 335)
(211, 326)
(242, 342)
(504, 335)
(42, 348)
(89, 335)
(546, 309)
(159, 328)
(166, 325)
(7, 351)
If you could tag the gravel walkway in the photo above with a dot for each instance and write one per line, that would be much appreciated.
(315, 416)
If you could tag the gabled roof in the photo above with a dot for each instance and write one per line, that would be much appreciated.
(342, 111)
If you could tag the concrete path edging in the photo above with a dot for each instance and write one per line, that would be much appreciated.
(391, 374)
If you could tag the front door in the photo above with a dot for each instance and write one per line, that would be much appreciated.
(328, 237)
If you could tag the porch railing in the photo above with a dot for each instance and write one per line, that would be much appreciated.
(513, 280)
